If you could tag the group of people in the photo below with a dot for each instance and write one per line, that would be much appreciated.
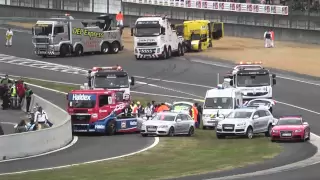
(13, 92)
(268, 39)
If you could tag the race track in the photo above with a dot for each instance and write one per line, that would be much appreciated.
(186, 78)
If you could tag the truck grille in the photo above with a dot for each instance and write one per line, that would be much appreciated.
(147, 51)
(80, 119)
(41, 40)
(81, 127)
(228, 127)
(257, 94)
(147, 44)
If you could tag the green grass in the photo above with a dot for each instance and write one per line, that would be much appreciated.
(172, 157)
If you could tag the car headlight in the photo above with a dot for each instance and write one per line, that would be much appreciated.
(241, 124)
(275, 131)
(163, 126)
(298, 130)
(219, 125)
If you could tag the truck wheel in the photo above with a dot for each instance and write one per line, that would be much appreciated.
(199, 47)
(115, 47)
(137, 58)
(178, 53)
(64, 50)
(169, 52)
(78, 50)
(110, 128)
(105, 48)
(164, 54)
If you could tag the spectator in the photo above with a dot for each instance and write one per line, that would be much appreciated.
(9, 35)
(148, 111)
(195, 115)
(6, 80)
(41, 118)
(5, 97)
(20, 90)
(13, 92)
(29, 94)
(163, 107)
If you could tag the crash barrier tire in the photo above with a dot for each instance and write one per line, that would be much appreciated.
(41, 141)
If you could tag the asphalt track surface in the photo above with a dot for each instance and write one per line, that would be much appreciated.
(291, 92)
(8, 118)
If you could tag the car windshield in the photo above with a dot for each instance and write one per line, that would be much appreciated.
(141, 32)
(239, 114)
(111, 82)
(218, 103)
(181, 107)
(253, 80)
(289, 122)
(43, 29)
(163, 117)
(82, 104)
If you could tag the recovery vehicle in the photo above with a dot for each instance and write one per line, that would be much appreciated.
(110, 78)
(154, 38)
(99, 111)
(64, 35)
(252, 79)
(199, 34)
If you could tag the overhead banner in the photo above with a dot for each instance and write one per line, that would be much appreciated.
(218, 6)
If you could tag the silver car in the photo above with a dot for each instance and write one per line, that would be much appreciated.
(168, 124)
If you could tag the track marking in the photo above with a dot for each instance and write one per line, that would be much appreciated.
(73, 142)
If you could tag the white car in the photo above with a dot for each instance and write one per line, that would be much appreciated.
(168, 124)
(267, 103)
(246, 122)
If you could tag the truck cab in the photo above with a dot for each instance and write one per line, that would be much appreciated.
(110, 78)
(253, 80)
(218, 103)
(99, 111)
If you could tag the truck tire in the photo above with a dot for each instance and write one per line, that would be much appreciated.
(105, 49)
(110, 128)
(115, 47)
(199, 47)
(78, 51)
(169, 52)
(64, 50)
(164, 54)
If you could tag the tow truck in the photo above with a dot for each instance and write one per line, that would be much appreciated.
(252, 79)
(99, 111)
(63, 35)
(155, 38)
(199, 34)
(110, 78)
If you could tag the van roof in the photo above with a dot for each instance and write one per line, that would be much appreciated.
(227, 92)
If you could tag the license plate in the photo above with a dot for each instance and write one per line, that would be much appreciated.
(286, 134)
(152, 129)
(228, 127)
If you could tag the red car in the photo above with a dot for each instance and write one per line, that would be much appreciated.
(290, 128)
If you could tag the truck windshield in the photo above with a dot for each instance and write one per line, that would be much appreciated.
(82, 104)
(43, 29)
(111, 82)
(145, 32)
(218, 103)
(253, 80)
(195, 37)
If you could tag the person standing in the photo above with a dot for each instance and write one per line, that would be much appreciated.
(9, 35)
(5, 97)
(20, 90)
(119, 18)
(195, 115)
(28, 97)
(267, 39)
(13, 92)
(148, 111)
(6, 80)
(272, 38)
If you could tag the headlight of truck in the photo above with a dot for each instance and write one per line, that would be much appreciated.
(241, 124)
(163, 126)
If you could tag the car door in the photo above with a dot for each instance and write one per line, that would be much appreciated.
(178, 125)
(256, 123)
(185, 123)
(264, 120)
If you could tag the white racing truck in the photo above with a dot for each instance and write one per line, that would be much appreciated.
(110, 78)
(155, 38)
(65, 35)
(253, 80)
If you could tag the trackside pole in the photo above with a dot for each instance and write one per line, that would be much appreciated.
(218, 78)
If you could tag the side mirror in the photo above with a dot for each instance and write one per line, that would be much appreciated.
(274, 76)
(163, 31)
(132, 81)
(178, 120)
(274, 81)
(255, 117)
(231, 83)
(305, 123)
(131, 31)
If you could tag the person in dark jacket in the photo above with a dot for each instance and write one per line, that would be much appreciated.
(199, 108)
(28, 94)
(5, 97)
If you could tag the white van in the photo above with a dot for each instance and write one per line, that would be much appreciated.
(218, 103)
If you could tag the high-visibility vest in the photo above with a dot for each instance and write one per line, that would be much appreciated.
(194, 113)
(14, 91)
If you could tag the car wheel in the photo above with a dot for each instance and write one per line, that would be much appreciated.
(191, 131)
(110, 128)
(105, 48)
(220, 136)
(171, 132)
(144, 135)
(249, 133)
(308, 138)
(268, 133)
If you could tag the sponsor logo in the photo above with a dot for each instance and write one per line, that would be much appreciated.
(133, 123)
(81, 97)
(99, 126)
(123, 124)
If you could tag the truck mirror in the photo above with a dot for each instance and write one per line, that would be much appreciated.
(274, 81)
(163, 31)
(132, 81)
(131, 31)
(273, 76)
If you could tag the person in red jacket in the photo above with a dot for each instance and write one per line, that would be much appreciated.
(20, 90)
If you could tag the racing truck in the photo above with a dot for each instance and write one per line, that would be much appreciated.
(252, 79)
(110, 78)
(199, 34)
(64, 35)
(99, 111)
(155, 38)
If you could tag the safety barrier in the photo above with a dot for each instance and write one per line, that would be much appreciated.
(41, 141)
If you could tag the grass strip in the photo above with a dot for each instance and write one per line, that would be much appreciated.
(173, 157)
